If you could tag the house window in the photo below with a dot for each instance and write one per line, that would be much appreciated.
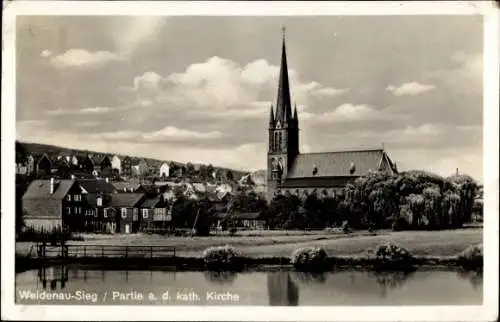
(79, 210)
(77, 198)
(68, 210)
(105, 213)
(99, 201)
(144, 213)
(68, 197)
(76, 210)
(124, 212)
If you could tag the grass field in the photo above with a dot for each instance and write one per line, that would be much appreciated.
(283, 243)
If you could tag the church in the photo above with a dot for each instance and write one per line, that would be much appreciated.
(289, 171)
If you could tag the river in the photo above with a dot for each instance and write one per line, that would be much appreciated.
(77, 285)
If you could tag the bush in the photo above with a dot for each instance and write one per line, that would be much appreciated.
(345, 227)
(221, 257)
(310, 258)
(391, 255)
(472, 256)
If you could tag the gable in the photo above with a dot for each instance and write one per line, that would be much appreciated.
(336, 164)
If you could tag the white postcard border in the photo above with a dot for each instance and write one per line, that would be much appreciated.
(488, 311)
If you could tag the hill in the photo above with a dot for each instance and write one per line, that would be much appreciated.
(37, 150)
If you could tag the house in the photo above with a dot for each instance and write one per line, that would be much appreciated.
(85, 163)
(72, 161)
(289, 171)
(153, 213)
(51, 204)
(101, 162)
(248, 220)
(27, 167)
(139, 168)
(126, 206)
(164, 170)
(44, 165)
(61, 167)
(116, 163)
(126, 166)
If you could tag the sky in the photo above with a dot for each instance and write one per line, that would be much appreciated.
(199, 89)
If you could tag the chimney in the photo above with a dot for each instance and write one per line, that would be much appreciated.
(457, 173)
(51, 185)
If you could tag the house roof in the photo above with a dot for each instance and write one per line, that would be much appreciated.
(126, 199)
(148, 188)
(336, 164)
(96, 186)
(151, 202)
(81, 158)
(40, 189)
(97, 159)
(125, 185)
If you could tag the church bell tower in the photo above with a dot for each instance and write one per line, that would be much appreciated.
(283, 131)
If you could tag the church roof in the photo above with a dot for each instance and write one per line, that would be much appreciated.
(336, 164)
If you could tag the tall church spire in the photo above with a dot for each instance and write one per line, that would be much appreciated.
(271, 117)
(283, 106)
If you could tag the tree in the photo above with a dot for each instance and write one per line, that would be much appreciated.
(190, 170)
(20, 153)
(229, 175)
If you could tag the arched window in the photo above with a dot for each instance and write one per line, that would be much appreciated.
(275, 141)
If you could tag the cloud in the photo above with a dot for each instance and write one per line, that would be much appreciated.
(412, 88)
(169, 133)
(87, 110)
(148, 80)
(465, 76)
(328, 91)
(225, 87)
(46, 53)
(81, 59)
(347, 112)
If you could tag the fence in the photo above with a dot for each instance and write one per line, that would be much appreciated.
(104, 251)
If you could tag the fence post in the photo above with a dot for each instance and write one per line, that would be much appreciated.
(85, 251)
(102, 251)
(126, 251)
(151, 254)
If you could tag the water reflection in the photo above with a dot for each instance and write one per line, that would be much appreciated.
(281, 289)
(56, 275)
(309, 278)
(390, 280)
(474, 277)
(224, 277)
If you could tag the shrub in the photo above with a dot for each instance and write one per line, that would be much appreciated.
(221, 257)
(392, 256)
(345, 227)
(310, 258)
(472, 256)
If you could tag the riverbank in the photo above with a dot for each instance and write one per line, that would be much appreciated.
(428, 249)
(281, 243)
